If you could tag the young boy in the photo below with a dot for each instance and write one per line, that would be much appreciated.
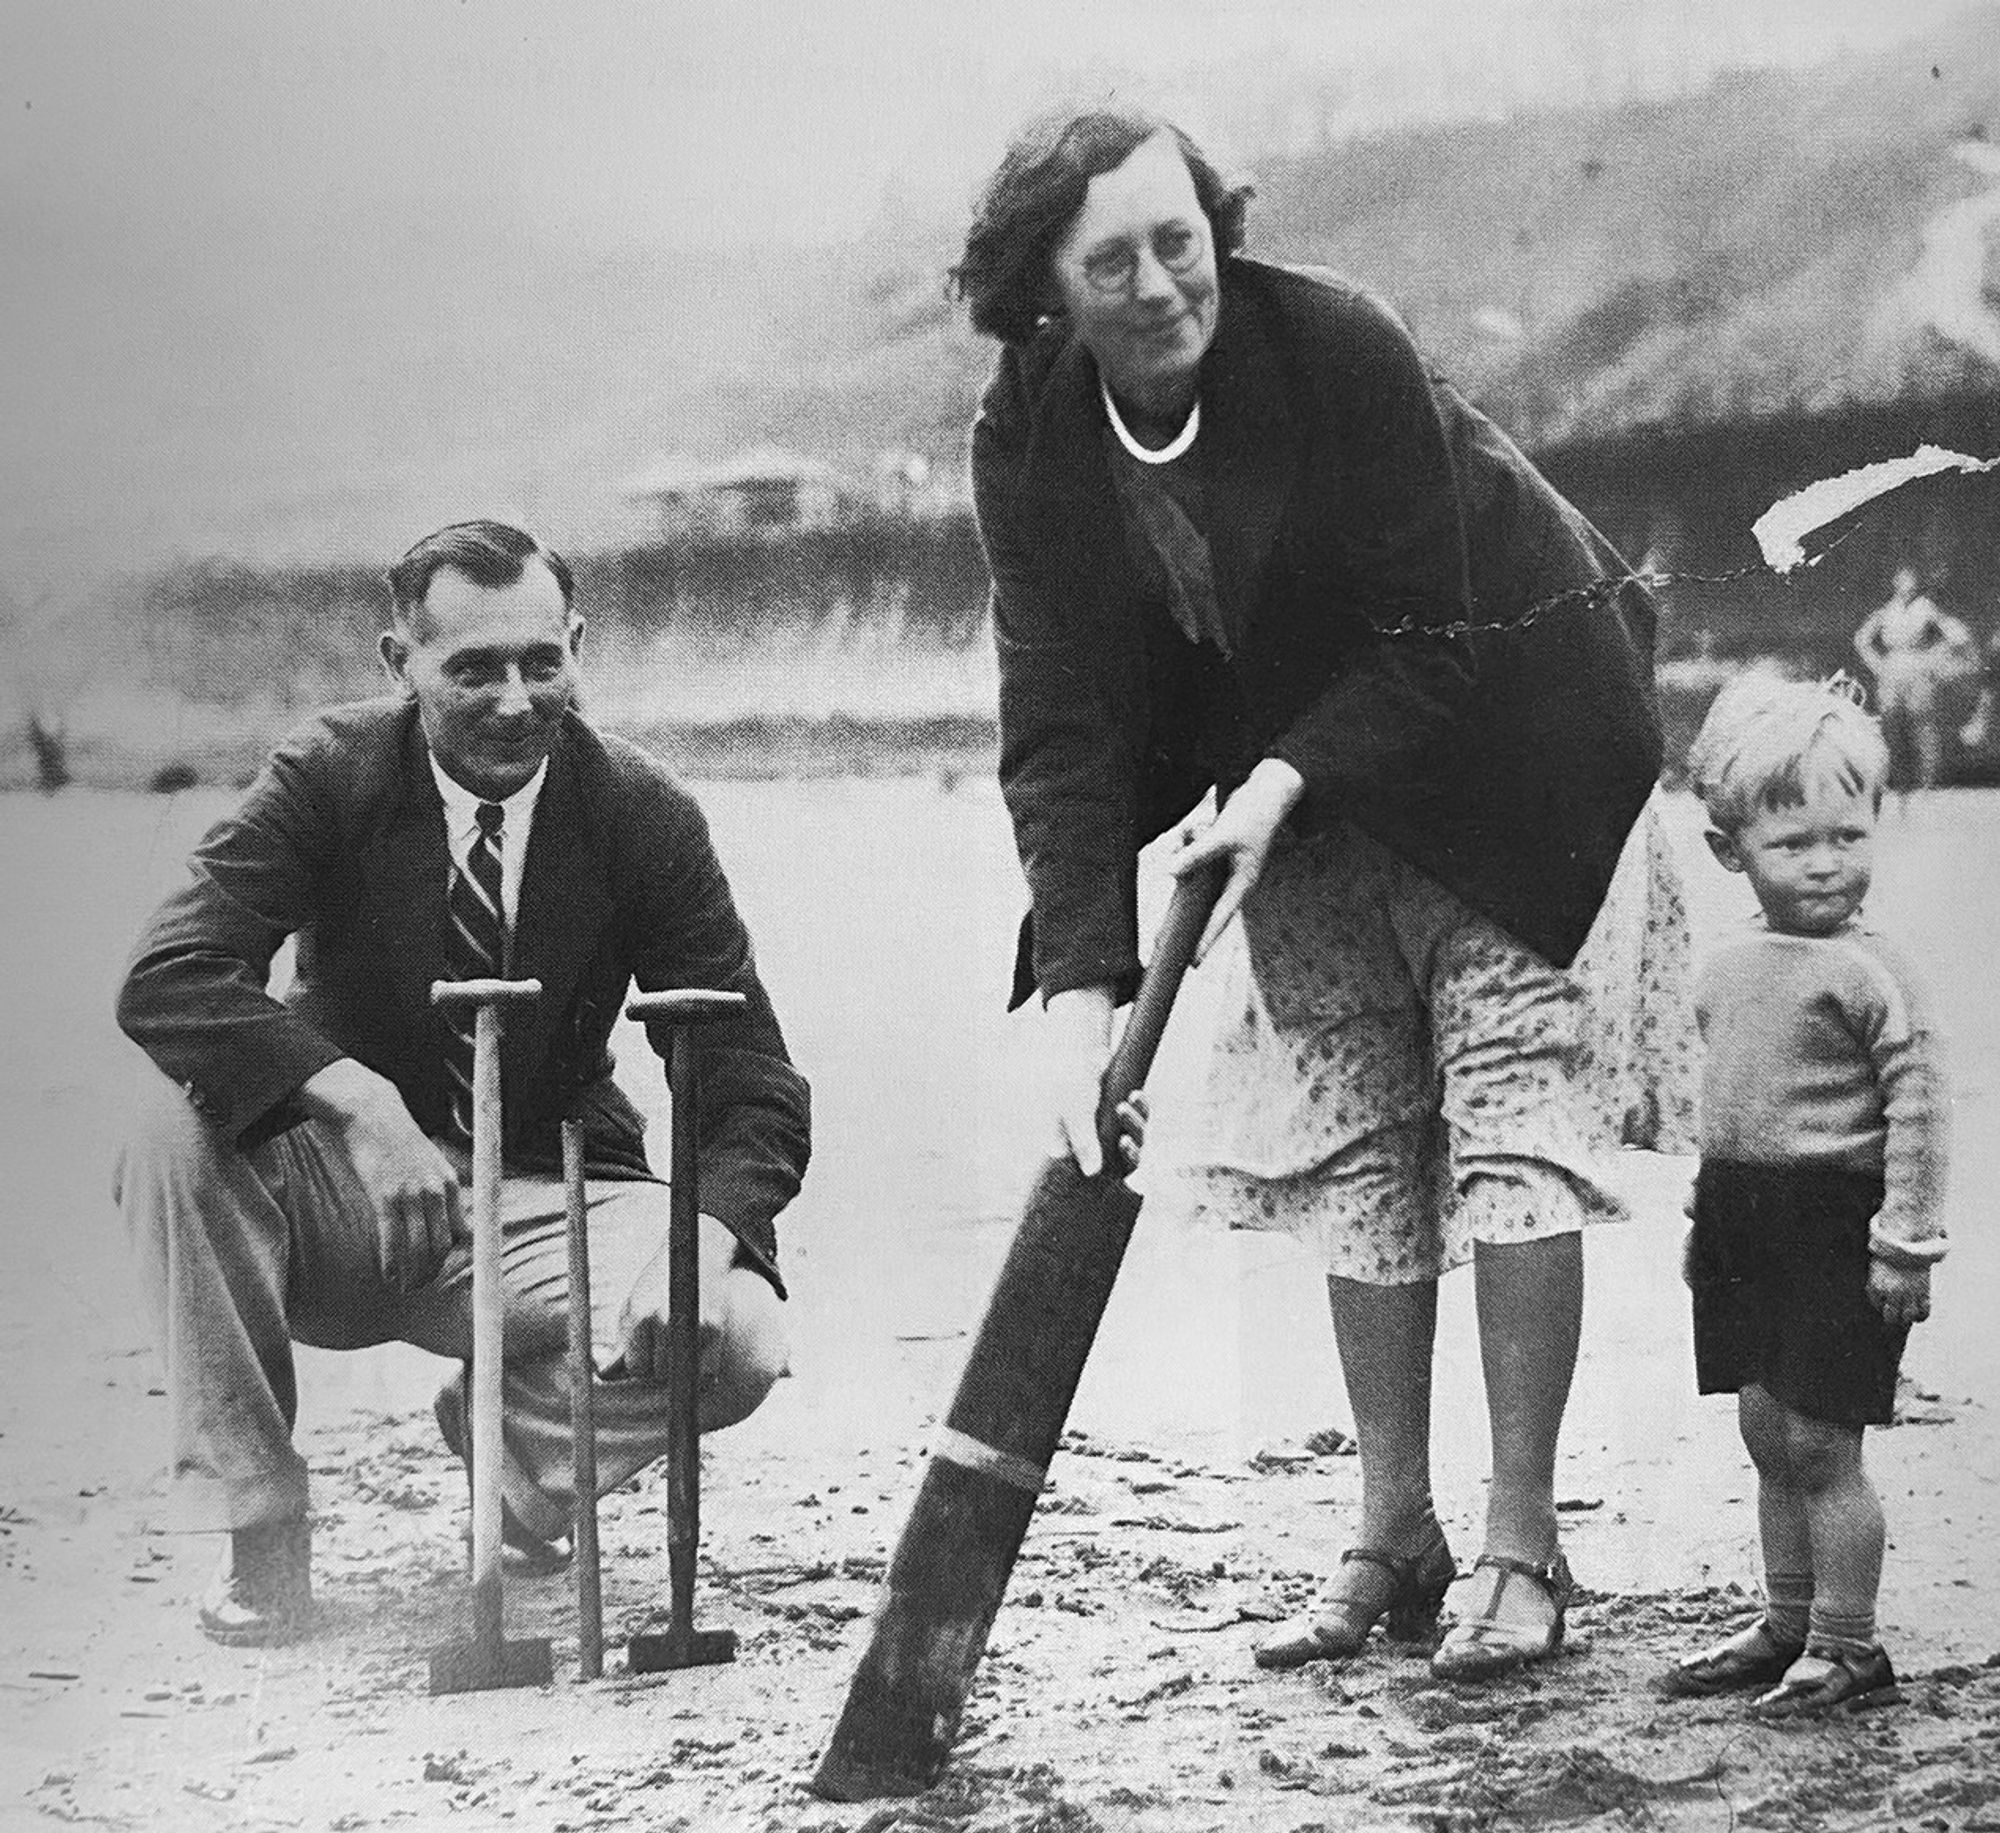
(1816, 1208)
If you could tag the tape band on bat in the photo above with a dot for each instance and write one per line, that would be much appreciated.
(970, 1454)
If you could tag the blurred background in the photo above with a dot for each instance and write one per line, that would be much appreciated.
(286, 288)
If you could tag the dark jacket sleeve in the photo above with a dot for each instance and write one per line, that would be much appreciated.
(1066, 768)
(1397, 513)
(195, 996)
(683, 930)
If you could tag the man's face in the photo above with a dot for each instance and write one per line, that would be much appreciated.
(493, 669)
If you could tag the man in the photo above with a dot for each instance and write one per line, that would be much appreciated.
(1918, 655)
(299, 1174)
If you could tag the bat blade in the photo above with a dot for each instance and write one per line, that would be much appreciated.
(950, 1570)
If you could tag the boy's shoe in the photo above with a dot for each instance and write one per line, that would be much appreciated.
(1827, 1679)
(1752, 1657)
(261, 1594)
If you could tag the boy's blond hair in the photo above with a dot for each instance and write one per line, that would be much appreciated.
(1768, 742)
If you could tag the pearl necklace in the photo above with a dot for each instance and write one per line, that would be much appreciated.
(1145, 455)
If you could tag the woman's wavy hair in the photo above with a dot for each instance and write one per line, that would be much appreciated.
(1035, 194)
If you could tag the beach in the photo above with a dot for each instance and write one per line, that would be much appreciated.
(1206, 1485)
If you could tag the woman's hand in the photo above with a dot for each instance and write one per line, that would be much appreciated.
(1079, 1025)
(1242, 833)
(1132, 1116)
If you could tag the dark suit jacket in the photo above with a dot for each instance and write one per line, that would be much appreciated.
(341, 842)
(1348, 493)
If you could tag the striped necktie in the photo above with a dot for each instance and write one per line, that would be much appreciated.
(475, 949)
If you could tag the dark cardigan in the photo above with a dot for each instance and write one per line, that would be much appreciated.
(1349, 492)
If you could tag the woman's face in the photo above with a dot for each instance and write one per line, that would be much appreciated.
(1136, 274)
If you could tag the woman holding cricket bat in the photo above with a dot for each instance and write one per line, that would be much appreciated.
(1242, 541)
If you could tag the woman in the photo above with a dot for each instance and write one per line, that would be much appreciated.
(1239, 538)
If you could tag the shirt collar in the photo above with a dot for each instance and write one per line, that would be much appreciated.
(461, 806)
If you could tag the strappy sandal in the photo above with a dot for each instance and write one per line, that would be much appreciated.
(1830, 1680)
(1476, 1648)
(1417, 1584)
(1752, 1657)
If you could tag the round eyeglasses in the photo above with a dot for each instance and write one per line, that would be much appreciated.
(1113, 267)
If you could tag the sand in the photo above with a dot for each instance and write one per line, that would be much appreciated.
(1200, 1493)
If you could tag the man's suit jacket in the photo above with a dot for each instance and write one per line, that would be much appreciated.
(340, 842)
(1348, 492)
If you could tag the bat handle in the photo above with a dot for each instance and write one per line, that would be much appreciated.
(1173, 951)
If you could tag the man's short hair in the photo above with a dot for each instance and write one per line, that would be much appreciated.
(489, 554)
(1767, 741)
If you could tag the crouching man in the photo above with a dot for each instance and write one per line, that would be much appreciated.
(299, 1172)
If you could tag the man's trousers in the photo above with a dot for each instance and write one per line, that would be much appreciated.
(241, 1253)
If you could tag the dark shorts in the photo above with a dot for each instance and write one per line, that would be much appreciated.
(1779, 1268)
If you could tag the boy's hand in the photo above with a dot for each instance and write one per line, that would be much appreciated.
(1901, 1294)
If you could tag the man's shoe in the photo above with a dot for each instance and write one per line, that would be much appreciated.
(261, 1594)
(1828, 1679)
(1752, 1657)
(523, 1552)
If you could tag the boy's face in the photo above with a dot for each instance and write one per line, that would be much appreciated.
(1810, 866)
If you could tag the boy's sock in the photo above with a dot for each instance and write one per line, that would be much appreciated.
(1853, 1635)
(1788, 1600)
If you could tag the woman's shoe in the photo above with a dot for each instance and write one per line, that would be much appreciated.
(1417, 1584)
(1477, 1648)
(1752, 1657)
(1828, 1679)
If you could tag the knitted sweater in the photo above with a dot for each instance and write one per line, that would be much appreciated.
(1820, 1051)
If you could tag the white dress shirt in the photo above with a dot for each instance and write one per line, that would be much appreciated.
(461, 829)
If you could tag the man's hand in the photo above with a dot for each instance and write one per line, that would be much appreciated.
(410, 1183)
(642, 1325)
(1079, 1026)
(1242, 834)
(1901, 1294)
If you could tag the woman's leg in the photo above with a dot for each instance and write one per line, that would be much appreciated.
(1385, 1335)
(1529, 1297)
(1509, 1044)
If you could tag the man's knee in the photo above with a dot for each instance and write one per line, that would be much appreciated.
(753, 1350)
(167, 1144)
